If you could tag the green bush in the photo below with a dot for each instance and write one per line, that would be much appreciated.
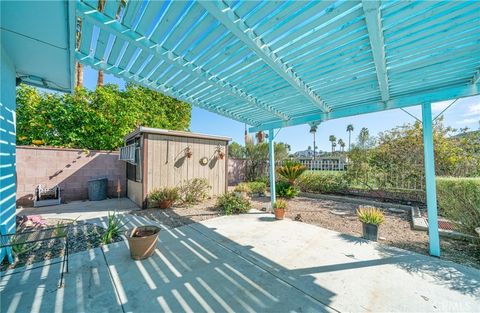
(114, 228)
(257, 187)
(242, 187)
(231, 203)
(164, 194)
(459, 201)
(323, 182)
(194, 190)
(286, 190)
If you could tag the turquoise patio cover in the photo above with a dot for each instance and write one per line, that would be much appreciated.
(275, 64)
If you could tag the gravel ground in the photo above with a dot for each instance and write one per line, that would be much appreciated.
(81, 236)
(396, 230)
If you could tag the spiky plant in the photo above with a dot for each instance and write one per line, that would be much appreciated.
(291, 171)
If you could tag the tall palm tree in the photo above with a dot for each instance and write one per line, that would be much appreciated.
(349, 130)
(363, 137)
(78, 65)
(333, 140)
(100, 8)
(341, 144)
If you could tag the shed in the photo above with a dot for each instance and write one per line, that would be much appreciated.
(166, 158)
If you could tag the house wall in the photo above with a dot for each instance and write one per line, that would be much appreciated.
(71, 169)
(167, 164)
(7, 141)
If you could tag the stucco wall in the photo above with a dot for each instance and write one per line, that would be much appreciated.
(71, 169)
(7, 141)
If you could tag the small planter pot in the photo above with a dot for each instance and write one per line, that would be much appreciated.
(142, 241)
(165, 204)
(279, 214)
(370, 231)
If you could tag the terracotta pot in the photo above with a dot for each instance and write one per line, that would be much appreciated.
(279, 214)
(142, 241)
(370, 231)
(165, 204)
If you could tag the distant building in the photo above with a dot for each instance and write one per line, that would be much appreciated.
(323, 161)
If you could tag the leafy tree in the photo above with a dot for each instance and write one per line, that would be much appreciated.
(257, 158)
(236, 150)
(94, 120)
(364, 139)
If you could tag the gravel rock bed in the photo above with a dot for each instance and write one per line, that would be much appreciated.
(81, 236)
(334, 215)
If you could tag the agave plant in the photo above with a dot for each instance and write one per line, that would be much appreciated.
(291, 171)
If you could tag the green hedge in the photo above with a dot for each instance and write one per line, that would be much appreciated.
(323, 182)
(459, 201)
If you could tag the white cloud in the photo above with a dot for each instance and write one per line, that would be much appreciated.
(469, 121)
(437, 107)
(473, 110)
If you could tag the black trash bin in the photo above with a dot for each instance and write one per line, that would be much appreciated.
(97, 189)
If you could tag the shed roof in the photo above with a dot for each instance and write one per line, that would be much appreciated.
(177, 133)
(273, 64)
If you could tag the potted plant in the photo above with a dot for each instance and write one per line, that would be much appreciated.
(242, 190)
(279, 207)
(371, 218)
(142, 241)
(165, 197)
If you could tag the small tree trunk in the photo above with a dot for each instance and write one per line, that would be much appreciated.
(79, 74)
(100, 79)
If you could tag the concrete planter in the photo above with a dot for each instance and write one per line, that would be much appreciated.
(370, 231)
(142, 241)
(279, 214)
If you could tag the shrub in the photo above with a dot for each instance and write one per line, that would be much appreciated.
(114, 227)
(194, 190)
(370, 215)
(257, 187)
(323, 182)
(164, 194)
(263, 179)
(242, 187)
(280, 204)
(291, 171)
(286, 190)
(459, 201)
(231, 203)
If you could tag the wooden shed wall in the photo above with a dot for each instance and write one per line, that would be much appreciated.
(167, 164)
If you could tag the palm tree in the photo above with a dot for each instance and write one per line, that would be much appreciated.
(341, 144)
(349, 130)
(363, 137)
(78, 65)
(332, 139)
(100, 8)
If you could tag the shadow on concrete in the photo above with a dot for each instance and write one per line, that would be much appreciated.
(194, 269)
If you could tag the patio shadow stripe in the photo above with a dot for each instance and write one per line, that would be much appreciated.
(113, 281)
(260, 267)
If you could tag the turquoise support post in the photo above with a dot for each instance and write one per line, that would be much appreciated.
(429, 161)
(271, 152)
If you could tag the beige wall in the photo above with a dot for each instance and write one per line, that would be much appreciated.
(71, 169)
(167, 164)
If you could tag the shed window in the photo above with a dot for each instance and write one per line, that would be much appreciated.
(134, 171)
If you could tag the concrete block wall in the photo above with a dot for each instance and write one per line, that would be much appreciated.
(71, 169)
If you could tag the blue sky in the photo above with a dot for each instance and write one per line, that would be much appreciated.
(465, 112)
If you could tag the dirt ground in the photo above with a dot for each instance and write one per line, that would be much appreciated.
(396, 230)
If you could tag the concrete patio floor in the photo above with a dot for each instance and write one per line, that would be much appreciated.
(248, 263)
